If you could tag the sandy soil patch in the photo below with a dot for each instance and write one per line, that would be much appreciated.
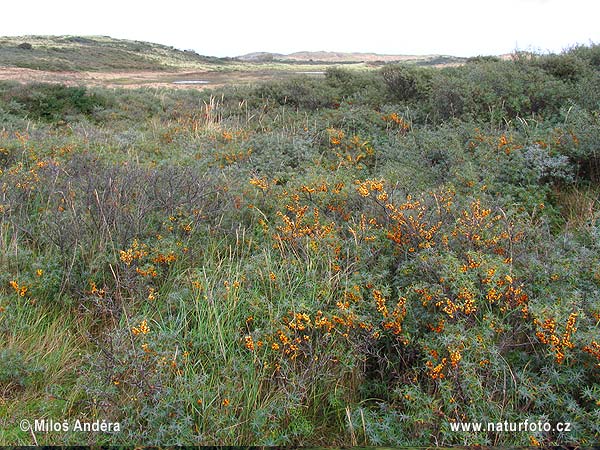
(120, 79)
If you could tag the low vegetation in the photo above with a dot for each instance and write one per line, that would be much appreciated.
(361, 259)
(96, 53)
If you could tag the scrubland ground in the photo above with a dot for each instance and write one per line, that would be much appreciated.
(363, 258)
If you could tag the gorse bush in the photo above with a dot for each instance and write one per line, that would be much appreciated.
(365, 258)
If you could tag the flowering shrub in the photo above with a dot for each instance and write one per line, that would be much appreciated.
(301, 263)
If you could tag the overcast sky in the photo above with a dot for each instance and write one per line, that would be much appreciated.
(232, 27)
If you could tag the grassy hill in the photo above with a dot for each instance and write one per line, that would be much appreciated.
(107, 62)
(351, 57)
(104, 54)
(95, 53)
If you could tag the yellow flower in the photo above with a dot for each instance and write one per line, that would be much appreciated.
(455, 357)
(20, 290)
(141, 329)
(380, 302)
(363, 190)
(261, 183)
(249, 342)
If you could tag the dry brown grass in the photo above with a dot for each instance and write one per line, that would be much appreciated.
(579, 206)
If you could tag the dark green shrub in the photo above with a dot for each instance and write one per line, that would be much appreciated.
(302, 93)
(482, 59)
(580, 141)
(565, 67)
(355, 87)
(448, 96)
(337, 76)
(587, 94)
(403, 82)
(55, 102)
(492, 91)
(590, 54)
(13, 369)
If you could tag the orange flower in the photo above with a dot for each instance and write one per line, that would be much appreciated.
(380, 302)
(261, 183)
(249, 343)
(455, 358)
(141, 329)
(20, 290)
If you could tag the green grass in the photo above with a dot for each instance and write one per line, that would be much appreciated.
(50, 346)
